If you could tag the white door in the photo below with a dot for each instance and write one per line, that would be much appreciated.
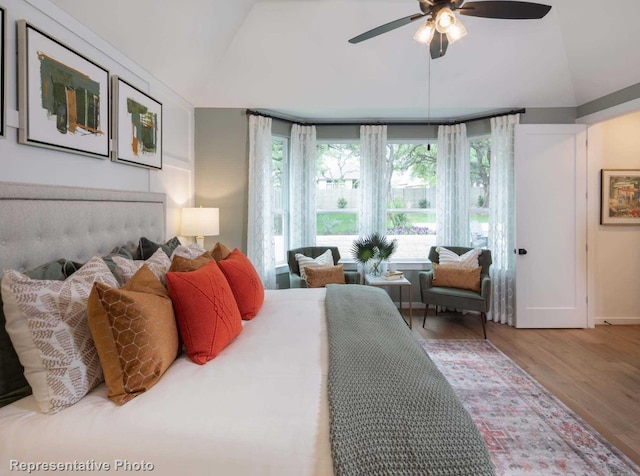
(551, 225)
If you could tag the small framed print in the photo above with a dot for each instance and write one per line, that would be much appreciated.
(63, 96)
(137, 126)
(620, 200)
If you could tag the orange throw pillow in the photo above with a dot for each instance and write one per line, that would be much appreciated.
(245, 283)
(320, 276)
(134, 330)
(456, 277)
(206, 311)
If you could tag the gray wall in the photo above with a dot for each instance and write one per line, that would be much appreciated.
(222, 172)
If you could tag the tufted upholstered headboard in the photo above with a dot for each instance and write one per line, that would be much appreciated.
(40, 223)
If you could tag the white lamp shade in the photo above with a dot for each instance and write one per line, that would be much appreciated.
(200, 222)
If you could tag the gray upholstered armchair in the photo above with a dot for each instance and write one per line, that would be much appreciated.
(295, 281)
(462, 299)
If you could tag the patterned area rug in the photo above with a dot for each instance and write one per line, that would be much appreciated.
(528, 431)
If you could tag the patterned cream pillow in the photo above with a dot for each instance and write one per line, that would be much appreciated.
(190, 251)
(325, 259)
(468, 260)
(158, 263)
(47, 323)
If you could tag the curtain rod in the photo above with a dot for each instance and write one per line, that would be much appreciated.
(252, 112)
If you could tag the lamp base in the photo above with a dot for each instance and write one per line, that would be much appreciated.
(200, 240)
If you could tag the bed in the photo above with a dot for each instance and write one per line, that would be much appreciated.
(280, 399)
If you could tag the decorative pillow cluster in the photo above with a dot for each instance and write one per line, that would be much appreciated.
(135, 333)
(47, 323)
(305, 262)
(457, 271)
(320, 276)
(206, 311)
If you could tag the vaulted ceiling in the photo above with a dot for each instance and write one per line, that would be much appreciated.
(292, 56)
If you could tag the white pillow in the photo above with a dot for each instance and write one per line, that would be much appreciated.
(47, 324)
(450, 258)
(325, 259)
(158, 263)
(190, 251)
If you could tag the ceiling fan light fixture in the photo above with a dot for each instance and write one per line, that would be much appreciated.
(425, 33)
(456, 31)
(444, 20)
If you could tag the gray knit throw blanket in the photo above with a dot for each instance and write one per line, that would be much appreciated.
(391, 410)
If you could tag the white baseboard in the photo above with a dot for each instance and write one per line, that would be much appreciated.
(616, 321)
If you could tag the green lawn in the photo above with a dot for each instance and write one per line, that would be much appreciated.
(347, 223)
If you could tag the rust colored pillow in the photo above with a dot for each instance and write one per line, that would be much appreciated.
(135, 333)
(184, 265)
(245, 283)
(456, 277)
(320, 276)
(220, 252)
(206, 311)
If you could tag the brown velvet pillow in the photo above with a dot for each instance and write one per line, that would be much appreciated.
(456, 277)
(220, 252)
(320, 276)
(135, 333)
(184, 265)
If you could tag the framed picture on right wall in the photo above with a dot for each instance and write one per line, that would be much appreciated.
(620, 199)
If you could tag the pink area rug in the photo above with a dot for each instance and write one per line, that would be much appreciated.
(527, 430)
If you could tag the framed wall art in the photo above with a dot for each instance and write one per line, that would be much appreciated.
(3, 55)
(63, 96)
(137, 126)
(620, 200)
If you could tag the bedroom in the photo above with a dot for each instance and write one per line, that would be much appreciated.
(206, 142)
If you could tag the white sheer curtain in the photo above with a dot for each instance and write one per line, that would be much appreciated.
(302, 188)
(502, 219)
(260, 242)
(373, 206)
(453, 180)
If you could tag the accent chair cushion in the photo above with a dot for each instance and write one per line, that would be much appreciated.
(446, 276)
(206, 311)
(320, 276)
(135, 334)
(245, 283)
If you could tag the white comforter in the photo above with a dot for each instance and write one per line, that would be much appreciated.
(260, 407)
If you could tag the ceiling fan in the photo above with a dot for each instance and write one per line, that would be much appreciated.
(442, 27)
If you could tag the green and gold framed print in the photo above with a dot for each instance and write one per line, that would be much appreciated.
(620, 200)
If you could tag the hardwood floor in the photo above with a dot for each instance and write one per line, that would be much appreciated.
(595, 372)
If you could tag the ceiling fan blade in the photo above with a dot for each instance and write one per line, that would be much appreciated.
(438, 46)
(505, 10)
(387, 27)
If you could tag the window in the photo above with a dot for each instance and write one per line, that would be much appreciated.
(479, 192)
(279, 173)
(337, 198)
(411, 216)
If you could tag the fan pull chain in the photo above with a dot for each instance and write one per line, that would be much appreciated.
(428, 98)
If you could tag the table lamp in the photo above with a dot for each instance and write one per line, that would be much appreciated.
(200, 222)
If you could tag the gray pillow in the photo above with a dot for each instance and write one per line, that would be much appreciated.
(148, 247)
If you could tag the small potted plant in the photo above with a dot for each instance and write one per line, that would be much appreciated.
(374, 249)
